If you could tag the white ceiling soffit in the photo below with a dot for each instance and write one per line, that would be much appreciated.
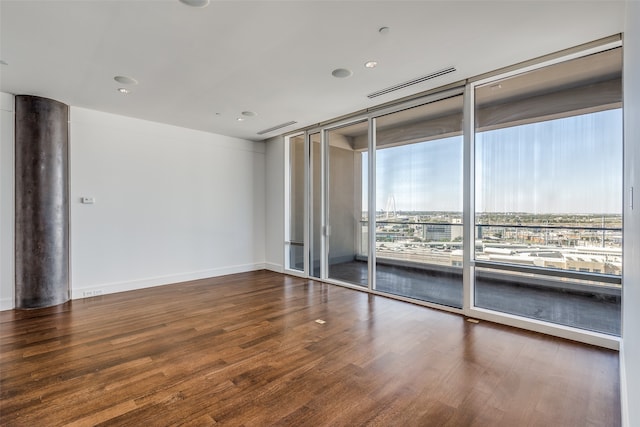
(201, 67)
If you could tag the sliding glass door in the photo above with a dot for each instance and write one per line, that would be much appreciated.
(295, 238)
(346, 182)
(418, 222)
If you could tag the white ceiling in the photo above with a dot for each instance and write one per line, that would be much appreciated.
(272, 57)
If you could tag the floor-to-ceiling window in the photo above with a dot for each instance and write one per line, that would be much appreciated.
(418, 221)
(548, 193)
(508, 207)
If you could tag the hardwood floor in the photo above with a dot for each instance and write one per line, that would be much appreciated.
(246, 350)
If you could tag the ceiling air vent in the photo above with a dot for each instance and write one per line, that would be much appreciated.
(411, 82)
(283, 125)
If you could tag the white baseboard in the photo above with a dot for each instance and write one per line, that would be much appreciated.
(7, 304)
(624, 401)
(272, 266)
(130, 285)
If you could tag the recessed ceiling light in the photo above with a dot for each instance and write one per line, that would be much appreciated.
(383, 30)
(195, 3)
(249, 113)
(125, 80)
(341, 73)
(371, 64)
(240, 119)
(123, 90)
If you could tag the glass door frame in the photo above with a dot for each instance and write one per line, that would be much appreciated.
(287, 208)
(326, 226)
(442, 95)
(373, 115)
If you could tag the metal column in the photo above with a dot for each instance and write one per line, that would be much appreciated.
(42, 202)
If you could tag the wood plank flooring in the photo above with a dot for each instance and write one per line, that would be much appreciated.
(245, 350)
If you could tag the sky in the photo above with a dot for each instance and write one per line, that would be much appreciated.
(422, 176)
(568, 165)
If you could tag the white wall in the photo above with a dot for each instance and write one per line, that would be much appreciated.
(630, 348)
(172, 204)
(275, 168)
(7, 252)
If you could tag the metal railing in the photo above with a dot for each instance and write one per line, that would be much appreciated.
(590, 254)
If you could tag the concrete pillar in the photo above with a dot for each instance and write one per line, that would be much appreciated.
(42, 202)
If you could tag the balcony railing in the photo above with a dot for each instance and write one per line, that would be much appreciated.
(591, 255)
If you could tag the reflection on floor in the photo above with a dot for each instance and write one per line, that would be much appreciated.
(594, 312)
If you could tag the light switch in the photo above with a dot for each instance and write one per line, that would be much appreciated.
(88, 200)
